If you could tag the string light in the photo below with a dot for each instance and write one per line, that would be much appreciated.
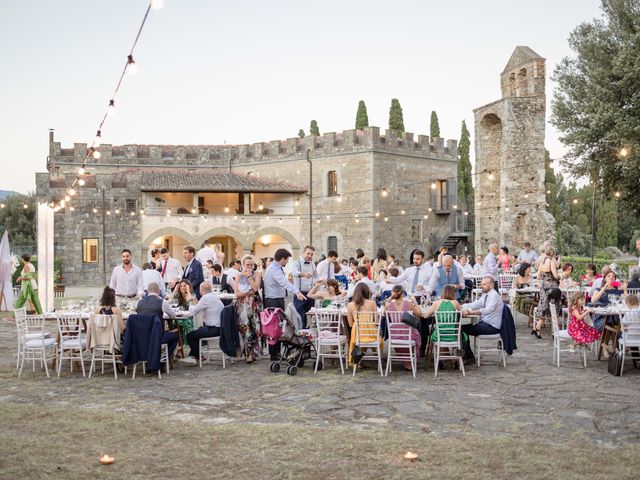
(433, 185)
(72, 191)
(339, 198)
(617, 194)
(491, 176)
(96, 154)
(72, 208)
(402, 212)
(67, 198)
(455, 207)
(226, 209)
(117, 211)
(384, 192)
(157, 4)
(81, 171)
(575, 201)
(132, 213)
(386, 219)
(131, 65)
(81, 182)
(377, 214)
(296, 203)
(624, 151)
(426, 217)
(142, 211)
(260, 207)
(25, 206)
(193, 210)
(2, 205)
(112, 107)
(108, 212)
(95, 210)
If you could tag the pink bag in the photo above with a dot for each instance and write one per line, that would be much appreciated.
(270, 320)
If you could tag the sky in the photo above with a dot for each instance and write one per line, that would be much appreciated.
(248, 71)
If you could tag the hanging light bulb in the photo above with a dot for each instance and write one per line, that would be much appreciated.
(296, 203)
(132, 213)
(112, 107)
(402, 212)
(81, 182)
(72, 191)
(430, 209)
(2, 205)
(157, 4)
(624, 151)
(81, 171)
(357, 220)
(226, 209)
(617, 194)
(433, 185)
(72, 208)
(377, 214)
(117, 211)
(455, 207)
(132, 67)
(95, 210)
(384, 192)
(67, 198)
(260, 207)
(280, 220)
(62, 203)
(168, 212)
(386, 219)
(339, 198)
(318, 221)
(142, 211)
(575, 201)
(491, 176)
(193, 210)
(96, 154)
(426, 217)
(466, 213)
(507, 209)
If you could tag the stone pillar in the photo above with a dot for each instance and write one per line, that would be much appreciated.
(45, 256)
(247, 199)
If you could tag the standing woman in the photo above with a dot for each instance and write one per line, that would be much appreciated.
(247, 287)
(504, 259)
(380, 263)
(29, 288)
(549, 278)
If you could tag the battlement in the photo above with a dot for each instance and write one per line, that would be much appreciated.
(331, 143)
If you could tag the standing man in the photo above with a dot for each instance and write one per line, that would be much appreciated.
(276, 286)
(527, 255)
(207, 252)
(416, 278)
(155, 259)
(491, 265)
(193, 269)
(126, 279)
(149, 275)
(170, 269)
(326, 268)
(304, 278)
(446, 274)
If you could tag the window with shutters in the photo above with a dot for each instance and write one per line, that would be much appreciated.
(131, 206)
(332, 183)
(89, 250)
(442, 195)
(332, 243)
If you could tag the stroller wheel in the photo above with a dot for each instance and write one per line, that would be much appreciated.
(320, 365)
(292, 370)
(275, 367)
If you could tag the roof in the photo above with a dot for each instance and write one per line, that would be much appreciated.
(206, 180)
(521, 55)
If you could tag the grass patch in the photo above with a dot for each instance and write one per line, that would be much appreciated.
(52, 442)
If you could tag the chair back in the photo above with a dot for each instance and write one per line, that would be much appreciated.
(20, 314)
(366, 327)
(398, 331)
(476, 293)
(33, 325)
(101, 327)
(329, 323)
(506, 280)
(70, 326)
(448, 326)
(554, 318)
(631, 328)
(633, 291)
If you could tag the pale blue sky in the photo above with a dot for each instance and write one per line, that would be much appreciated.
(250, 71)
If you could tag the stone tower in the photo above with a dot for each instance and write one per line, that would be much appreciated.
(510, 202)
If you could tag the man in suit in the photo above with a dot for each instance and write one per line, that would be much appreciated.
(153, 304)
(193, 269)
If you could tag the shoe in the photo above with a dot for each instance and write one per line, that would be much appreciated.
(572, 349)
(189, 360)
(536, 333)
(249, 359)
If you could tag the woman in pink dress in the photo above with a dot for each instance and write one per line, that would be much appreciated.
(579, 330)
(504, 259)
(399, 303)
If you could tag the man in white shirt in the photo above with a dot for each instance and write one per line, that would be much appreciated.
(491, 264)
(211, 308)
(478, 268)
(326, 268)
(489, 307)
(394, 263)
(416, 278)
(149, 275)
(305, 275)
(233, 271)
(207, 252)
(467, 269)
(387, 282)
(361, 277)
(170, 269)
(126, 279)
(527, 255)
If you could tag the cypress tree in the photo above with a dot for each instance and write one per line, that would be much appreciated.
(396, 120)
(301, 133)
(313, 128)
(434, 129)
(606, 224)
(465, 185)
(362, 119)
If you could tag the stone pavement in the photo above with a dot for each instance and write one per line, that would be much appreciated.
(529, 397)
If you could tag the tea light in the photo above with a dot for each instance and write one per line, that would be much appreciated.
(410, 456)
(106, 460)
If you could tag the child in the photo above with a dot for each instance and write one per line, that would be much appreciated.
(578, 329)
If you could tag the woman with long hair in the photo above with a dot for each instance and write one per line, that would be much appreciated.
(327, 295)
(399, 303)
(380, 263)
(184, 296)
(522, 301)
(549, 278)
(246, 288)
(360, 303)
(108, 306)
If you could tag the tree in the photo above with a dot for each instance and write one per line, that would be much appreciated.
(20, 222)
(434, 128)
(595, 104)
(362, 119)
(301, 133)
(313, 128)
(396, 120)
(606, 224)
(573, 241)
(551, 187)
(465, 185)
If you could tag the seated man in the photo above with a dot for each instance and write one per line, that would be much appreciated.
(153, 304)
(447, 274)
(211, 308)
(489, 307)
(361, 277)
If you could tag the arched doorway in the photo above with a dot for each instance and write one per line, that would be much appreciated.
(226, 240)
(171, 238)
(267, 240)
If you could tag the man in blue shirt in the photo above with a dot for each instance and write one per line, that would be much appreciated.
(276, 286)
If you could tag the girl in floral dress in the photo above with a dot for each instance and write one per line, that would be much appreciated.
(247, 287)
(579, 330)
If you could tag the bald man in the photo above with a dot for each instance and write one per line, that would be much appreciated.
(446, 274)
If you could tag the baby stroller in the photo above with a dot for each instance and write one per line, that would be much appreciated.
(296, 345)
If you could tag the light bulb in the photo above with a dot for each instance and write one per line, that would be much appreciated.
(168, 211)
(575, 201)
(624, 152)
(226, 209)
(433, 185)
(455, 207)
(491, 177)
(426, 217)
(402, 212)
(384, 192)
(377, 214)
(112, 107)
(357, 220)
(62, 202)
(296, 203)
(193, 210)
(132, 66)
(72, 191)
(386, 219)
(2, 205)
(117, 211)
(617, 194)
(81, 182)
(81, 171)
(72, 208)
(67, 198)
(108, 212)
(96, 154)
(142, 211)
(132, 213)
(157, 4)
(339, 197)
(260, 207)
(95, 210)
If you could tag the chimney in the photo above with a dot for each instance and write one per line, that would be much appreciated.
(51, 130)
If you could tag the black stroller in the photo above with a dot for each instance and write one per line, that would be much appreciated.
(295, 348)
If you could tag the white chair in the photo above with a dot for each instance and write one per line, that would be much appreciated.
(495, 342)
(476, 293)
(102, 327)
(630, 336)
(36, 344)
(560, 336)
(633, 291)
(401, 346)
(448, 327)
(19, 314)
(164, 358)
(330, 341)
(211, 346)
(72, 342)
(506, 281)
(366, 329)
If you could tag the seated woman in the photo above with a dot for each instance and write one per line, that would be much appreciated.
(108, 306)
(565, 277)
(361, 303)
(328, 295)
(184, 296)
(579, 330)
(634, 281)
(522, 301)
(590, 275)
(399, 303)
(601, 297)
(446, 303)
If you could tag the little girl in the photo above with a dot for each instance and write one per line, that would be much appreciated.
(579, 330)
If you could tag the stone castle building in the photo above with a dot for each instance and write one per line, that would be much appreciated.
(355, 189)
(510, 204)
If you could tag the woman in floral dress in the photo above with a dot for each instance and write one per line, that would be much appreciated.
(579, 330)
(548, 274)
(247, 288)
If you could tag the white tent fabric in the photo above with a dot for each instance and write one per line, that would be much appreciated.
(6, 271)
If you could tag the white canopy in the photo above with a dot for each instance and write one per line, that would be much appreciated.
(6, 272)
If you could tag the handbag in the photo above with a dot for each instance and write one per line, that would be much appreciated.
(615, 363)
(410, 319)
(356, 354)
